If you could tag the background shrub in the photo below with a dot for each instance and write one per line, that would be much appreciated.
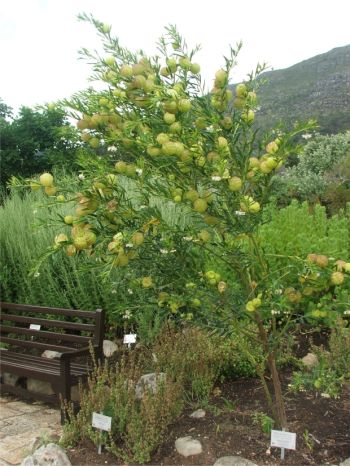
(323, 159)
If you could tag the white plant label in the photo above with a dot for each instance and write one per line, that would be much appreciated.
(130, 338)
(102, 422)
(34, 327)
(282, 439)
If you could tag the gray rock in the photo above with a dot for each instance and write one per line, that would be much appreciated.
(109, 348)
(148, 382)
(345, 462)
(198, 414)
(10, 379)
(47, 455)
(39, 386)
(233, 461)
(50, 354)
(188, 446)
(310, 360)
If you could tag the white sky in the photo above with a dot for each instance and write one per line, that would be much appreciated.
(40, 39)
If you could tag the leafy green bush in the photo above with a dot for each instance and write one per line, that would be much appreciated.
(298, 230)
(291, 233)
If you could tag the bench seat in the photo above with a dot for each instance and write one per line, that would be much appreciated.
(40, 368)
(27, 331)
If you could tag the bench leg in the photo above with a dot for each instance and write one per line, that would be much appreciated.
(64, 389)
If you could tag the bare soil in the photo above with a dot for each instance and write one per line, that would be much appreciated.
(322, 426)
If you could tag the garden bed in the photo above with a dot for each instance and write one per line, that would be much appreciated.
(322, 427)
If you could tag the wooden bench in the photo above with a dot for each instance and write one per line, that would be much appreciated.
(29, 329)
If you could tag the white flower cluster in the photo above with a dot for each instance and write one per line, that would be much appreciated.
(166, 251)
(127, 314)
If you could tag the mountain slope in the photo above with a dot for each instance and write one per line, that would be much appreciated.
(315, 88)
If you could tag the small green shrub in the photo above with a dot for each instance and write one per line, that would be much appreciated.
(233, 362)
(264, 421)
(138, 425)
(190, 356)
(333, 367)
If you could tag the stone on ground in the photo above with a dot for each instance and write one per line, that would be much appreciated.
(10, 379)
(39, 386)
(198, 414)
(109, 348)
(148, 382)
(233, 461)
(188, 446)
(310, 360)
(345, 462)
(51, 354)
(47, 455)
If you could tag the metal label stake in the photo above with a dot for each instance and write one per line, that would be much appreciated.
(282, 449)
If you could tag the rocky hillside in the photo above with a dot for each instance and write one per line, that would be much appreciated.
(315, 88)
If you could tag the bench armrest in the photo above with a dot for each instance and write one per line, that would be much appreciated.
(77, 353)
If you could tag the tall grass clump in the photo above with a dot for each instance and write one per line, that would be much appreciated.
(60, 281)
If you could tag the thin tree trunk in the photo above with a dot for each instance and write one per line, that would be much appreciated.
(279, 401)
(271, 362)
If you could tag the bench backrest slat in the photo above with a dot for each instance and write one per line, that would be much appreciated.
(45, 335)
(49, 310)
(34, 344)
(48, 322)
(60, 329)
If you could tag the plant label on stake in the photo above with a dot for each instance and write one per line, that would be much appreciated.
(283, 440)
(34, 327)
(129, 339)
(102, 422)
